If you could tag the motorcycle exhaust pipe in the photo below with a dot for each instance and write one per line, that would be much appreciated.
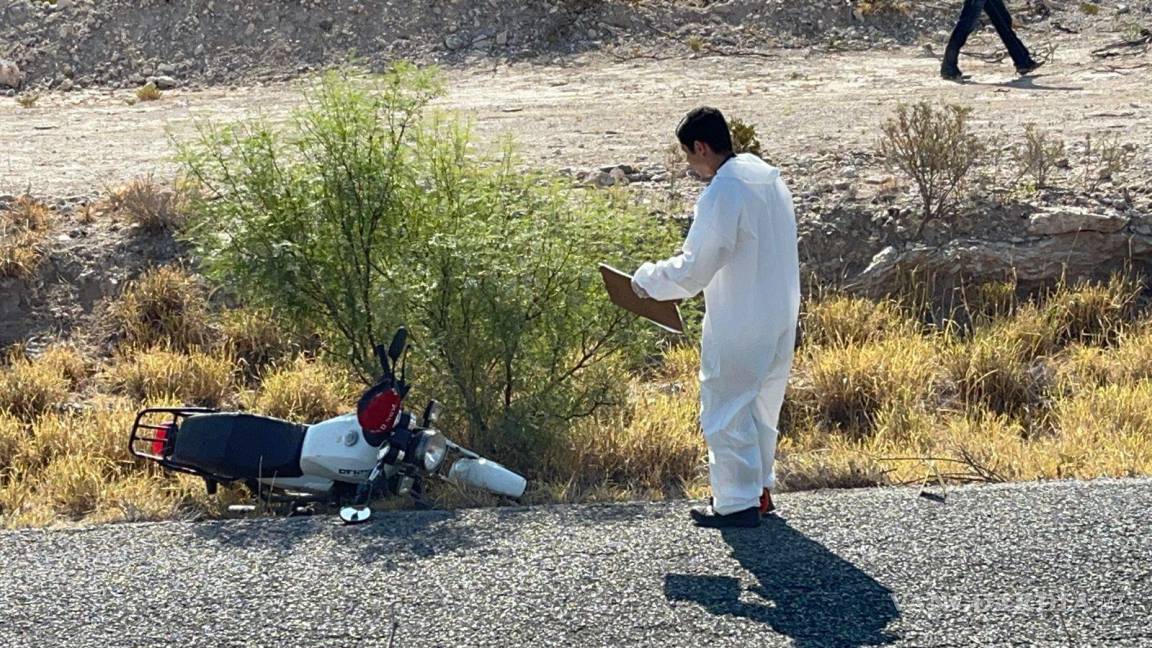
(488, 475)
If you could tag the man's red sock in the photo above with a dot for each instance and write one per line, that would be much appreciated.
(766, 505)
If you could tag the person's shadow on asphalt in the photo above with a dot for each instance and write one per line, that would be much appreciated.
(805, 591)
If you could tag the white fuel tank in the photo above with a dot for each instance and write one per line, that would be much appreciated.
(335, 449)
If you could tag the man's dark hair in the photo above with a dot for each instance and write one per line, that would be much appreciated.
(706, 125)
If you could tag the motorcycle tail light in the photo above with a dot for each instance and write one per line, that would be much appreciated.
(161, 439)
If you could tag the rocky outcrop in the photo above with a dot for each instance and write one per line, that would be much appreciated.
(122, 42)
(10, 75)
(1076, 253)
(1054, 221)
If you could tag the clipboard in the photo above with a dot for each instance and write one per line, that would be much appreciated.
(665, 314)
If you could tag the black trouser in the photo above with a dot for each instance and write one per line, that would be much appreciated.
(998, 13)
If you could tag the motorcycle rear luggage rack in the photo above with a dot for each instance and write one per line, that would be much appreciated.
(144, 433)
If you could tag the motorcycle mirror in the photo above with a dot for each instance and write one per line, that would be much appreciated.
(398, 343)
(432, 413)
(355, 514)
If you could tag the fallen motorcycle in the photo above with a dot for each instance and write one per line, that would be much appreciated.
(348, 461)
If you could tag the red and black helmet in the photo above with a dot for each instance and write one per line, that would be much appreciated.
(378, 410)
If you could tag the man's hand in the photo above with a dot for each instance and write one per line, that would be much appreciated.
(640, 292)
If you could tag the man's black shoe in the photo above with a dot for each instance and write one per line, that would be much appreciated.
(1025, 70)
(706, 517)
(949, 73)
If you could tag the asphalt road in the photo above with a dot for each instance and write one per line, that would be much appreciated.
(1056, 564)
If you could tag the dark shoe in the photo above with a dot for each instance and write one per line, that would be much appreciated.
(766, 505)
(706, 517)
(952, 73)
(1025, 70)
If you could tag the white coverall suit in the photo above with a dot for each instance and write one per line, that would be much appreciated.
(741, 251)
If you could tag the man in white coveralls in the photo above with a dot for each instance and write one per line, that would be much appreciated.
(741, 251)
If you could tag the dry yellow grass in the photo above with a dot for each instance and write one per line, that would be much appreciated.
(1028, 334)
(12, 438)
(194, 378)
(992, 371)
(305, 391)
(24, 227)
(844, 388)
(29, 388)
(990, 301)
(67, 361)
(254, 338)
(1037, 389)
(98, 433)
(62, 465)
(167, 306)
(41, 442)
(151, 206)
(841, 320)
(148, 92)
(148, 496)
(20, 253)
(1086, 366)
(810, 462)
(72, 490)
(74, 484)
(29, 213)
(1106, 431)
(655, 445)
(1093, 313)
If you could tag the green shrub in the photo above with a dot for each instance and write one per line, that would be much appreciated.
(366, 214)
(744, 139)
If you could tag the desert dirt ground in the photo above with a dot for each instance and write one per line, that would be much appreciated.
(599, 110)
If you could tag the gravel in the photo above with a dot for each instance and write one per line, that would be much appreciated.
(1059, 563)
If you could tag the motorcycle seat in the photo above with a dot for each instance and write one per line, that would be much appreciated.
(234, 445)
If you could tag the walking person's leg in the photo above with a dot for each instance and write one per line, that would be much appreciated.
(969, 14)
(1002, 21)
